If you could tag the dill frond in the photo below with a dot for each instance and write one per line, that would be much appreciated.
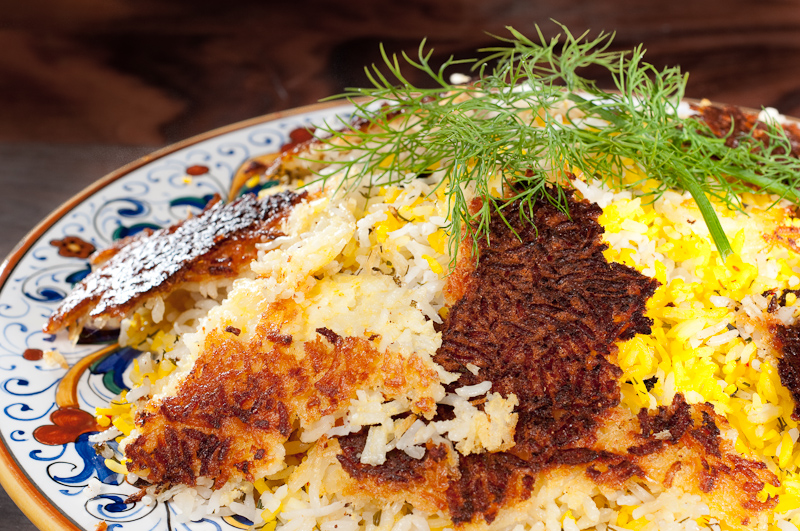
(501, 126)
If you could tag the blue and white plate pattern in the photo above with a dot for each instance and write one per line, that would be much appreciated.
(47, 413)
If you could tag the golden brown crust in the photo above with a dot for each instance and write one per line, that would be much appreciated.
(240, 400)
(539, 316)
(787, 341)
(679, 446)
(788, 236)
(540, 320)
(404, 478)
(218, 243)
(737, 125)
(688, 451)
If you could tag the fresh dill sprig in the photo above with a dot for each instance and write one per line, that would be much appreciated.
(502, 129)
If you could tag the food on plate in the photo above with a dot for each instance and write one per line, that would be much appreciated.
(516, 303)
(217, 244)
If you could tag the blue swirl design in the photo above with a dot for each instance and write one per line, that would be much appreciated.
(77, 223)
(98, 390)
(233, 149)
(135, 187)
(197, 203)
(173, 173)
(197, 156)
(43, 368)
(138, 208)
(41, 254)
(51, 284)
(10, 331)
(23, 310)
(22, 382)
(24, 408)
(77, 276)
(117, 504)
(245, 189)
(46, 294)
(196, 525)
(37, 454)
(211, 524)
(241, 519)
(170, 171)
(11, 367)
(65, 492)
(107, 220)
(123, 232)
(112, 507)
(93, 463)
(267, 137)
(207, 181)
(71, 228)
(16, 436)
(112, 367)
(179, 182)
(238, 153)
(34, 339)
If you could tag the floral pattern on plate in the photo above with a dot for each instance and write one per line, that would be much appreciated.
(47, 408)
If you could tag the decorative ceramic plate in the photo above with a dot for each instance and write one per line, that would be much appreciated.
(47, 413)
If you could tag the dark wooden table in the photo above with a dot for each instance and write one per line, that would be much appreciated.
(88, 86)
(37, 177)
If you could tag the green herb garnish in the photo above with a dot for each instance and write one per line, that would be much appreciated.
(469, 134)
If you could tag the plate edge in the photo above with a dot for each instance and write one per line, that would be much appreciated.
(25, 494)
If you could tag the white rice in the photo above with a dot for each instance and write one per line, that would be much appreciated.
(349, 265)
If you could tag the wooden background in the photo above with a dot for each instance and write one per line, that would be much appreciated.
(88, 85)
(149, 72)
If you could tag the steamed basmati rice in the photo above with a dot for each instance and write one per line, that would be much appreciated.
(374, 262)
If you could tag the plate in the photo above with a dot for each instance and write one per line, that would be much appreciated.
(47, 413)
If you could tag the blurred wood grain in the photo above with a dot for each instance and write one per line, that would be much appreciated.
(151, 72)
(37, 178)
